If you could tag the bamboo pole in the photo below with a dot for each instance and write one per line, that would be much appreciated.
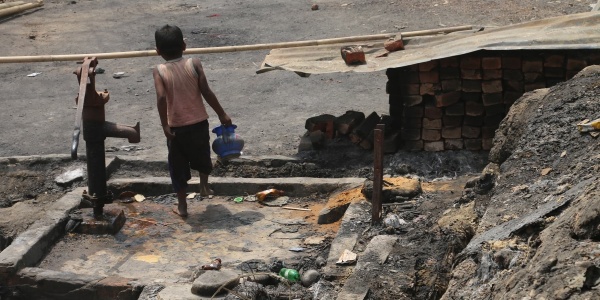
(10, 4)
(19, 8)
(144, 53)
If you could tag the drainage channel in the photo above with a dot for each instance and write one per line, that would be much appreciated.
(155, 247)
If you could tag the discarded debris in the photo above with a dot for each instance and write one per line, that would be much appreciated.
(353, 55)
(296, 249)
(279, 201)
(238, 199)
(295, 208)
(33, 74)
(214, 265)
(270, 193)
(139, 198)
(118, 75)
(347, 258)
(191, 196)
(314, 7)
(587, 126)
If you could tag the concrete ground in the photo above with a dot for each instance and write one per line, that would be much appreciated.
(157, 246)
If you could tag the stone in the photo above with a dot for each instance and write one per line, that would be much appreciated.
(432, 123)
(392, 220)
(309, 277)
(447, 99)
(432, 112)
(471, 131)
(209, 282)
(69, 177)
(471, 74)
(429, 77)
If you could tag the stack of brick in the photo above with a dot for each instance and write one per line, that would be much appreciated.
(458, 102)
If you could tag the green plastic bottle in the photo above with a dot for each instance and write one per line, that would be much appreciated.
(289, 274)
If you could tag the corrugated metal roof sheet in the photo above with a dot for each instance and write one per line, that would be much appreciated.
(577, 31)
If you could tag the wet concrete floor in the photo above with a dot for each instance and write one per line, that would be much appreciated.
(156, 245)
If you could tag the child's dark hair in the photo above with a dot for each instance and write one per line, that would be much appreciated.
(169, 40)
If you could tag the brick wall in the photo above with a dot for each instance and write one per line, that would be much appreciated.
(458, 102)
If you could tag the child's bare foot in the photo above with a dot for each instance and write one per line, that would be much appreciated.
(181, 210)
(205, 191)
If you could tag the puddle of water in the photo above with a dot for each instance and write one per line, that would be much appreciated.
(156, 245)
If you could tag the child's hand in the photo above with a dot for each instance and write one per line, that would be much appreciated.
(168, 133)
(225, 119)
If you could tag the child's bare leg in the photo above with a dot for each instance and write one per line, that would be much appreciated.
(181, 203)
(204, 189)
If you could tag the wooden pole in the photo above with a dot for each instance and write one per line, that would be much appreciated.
(19, 8)
(132, 54)
(11, 4)
(377, 174)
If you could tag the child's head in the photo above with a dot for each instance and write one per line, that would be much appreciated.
(169, 42)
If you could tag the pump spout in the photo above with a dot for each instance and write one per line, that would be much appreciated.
(122, 131)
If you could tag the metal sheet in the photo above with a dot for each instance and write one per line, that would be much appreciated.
(577, 31)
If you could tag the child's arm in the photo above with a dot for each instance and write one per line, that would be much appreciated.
(161, 103)
(208, 94)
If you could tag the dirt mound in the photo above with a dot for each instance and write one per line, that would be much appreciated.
(541, 223)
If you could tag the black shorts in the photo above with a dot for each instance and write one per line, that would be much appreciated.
(189, 149)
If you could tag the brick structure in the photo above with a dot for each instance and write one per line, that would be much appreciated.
(458, 102)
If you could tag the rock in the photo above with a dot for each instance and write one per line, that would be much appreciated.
(69, 177)
(309, 277)
(320, 261)
(209, 282)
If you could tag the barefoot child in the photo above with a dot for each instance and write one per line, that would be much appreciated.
(180, 84)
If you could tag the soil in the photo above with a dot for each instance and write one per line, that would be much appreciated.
(555, 259)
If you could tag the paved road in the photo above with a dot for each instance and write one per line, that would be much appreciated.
(38, 112)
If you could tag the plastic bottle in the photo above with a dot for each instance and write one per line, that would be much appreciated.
(290, 274)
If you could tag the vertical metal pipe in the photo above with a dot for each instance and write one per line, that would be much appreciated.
(377, 174)
(96, 165)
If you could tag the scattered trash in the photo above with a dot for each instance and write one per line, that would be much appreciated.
(214, 265)
(33, 74)
(99, 70)
(118, 75)
(587, 126)
(238, 199)
(546, 171)
(251, 198)
(296, 249)
(314, 7)
(563, 154)
(295, 208)
(289, 274)
(139, 198)
(270, 193)
(213, 15)
(347, 258)
(191, 196)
